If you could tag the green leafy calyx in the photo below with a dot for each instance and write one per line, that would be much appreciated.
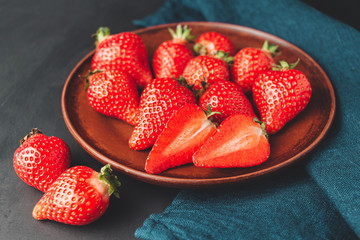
(110, 179)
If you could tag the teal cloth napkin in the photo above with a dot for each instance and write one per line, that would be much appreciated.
(316, 199)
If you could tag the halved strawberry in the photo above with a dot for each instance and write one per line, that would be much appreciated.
(240, 141)
(183, 134)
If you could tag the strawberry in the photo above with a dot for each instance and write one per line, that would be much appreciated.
(159, 100)
(210, 43)
(183, 134)
(227, 98)
(249, 62)
(171, 57)
(208, 69)
(113, 94)
(78, 197)
(123, 51)
(280, 95)
(240, 141)
(41, 159)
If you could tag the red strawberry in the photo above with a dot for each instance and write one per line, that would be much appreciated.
(240, 141)
(171, 57)
(159, 100)
(210, 42)
(123, 51)
(249, 62)
(113, 94)
(280, 95)
(79, 196)
(183, 134)
(227, 98)
(41, 159)
(208, 69)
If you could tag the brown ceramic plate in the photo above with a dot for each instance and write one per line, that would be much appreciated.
(106, 139)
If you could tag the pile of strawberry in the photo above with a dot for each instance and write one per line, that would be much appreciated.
(196, 109)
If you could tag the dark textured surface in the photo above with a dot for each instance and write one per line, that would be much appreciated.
(41, 42)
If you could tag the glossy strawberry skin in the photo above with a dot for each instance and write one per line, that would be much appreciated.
(248, 63)
(159, 100)
(205, 68)
(125, 52)
(211, 42)
(114, 94)
(170, 59)
(182, 136)
(280, 96)
(227, 98)
(238, 142)
(41, 159)
(77, 197)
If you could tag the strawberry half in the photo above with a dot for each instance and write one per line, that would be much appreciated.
(280, 95)
(183, 135)
(210, 43)
(227, 98)
(171, 57)
(249, 62)
(240, 141)
(113, 94)
(159, 100)
(123, 51)
(78, 197)
(40, 159)
(207, 69)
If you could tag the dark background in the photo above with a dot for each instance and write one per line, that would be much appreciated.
(41, 42)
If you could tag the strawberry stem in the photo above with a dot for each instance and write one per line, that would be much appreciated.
(101, 34)
(272, 49)
(110, 179)
(182, 34)
(285, 65)
(33, 132)
(224, 56)
(263, 126)
(209, 113)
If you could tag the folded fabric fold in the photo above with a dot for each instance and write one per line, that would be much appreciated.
(321, 199)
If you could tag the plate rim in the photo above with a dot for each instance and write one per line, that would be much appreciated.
(177, 182)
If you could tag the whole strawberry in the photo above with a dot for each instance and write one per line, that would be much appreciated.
(123, 51)
(159, 100)
(227, 98)
(280, 95)
(78, 197)
(171, 57)
(210, 43)
(41, 159)
(249, 62)
(114, 94)
(208, 69)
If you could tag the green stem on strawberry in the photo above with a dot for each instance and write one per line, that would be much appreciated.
(224, 56)
(285, 65)
(101, 34)
(272, 49)
(33, 132)
(182, 33)
(263, 126)
(209, 113)
(110, 179)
